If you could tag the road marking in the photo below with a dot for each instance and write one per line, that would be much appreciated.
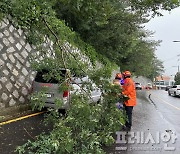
(21, 118)
(167, 103)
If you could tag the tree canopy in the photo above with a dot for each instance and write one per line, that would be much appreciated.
(177, 78)
(114, 28)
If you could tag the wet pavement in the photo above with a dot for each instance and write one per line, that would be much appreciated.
(155, 127)
(152, 133)
(17, 133)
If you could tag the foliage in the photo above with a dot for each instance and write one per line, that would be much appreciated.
(153, 7)
(157, 68)
(85, 128)
(177, 78)
(114, 28)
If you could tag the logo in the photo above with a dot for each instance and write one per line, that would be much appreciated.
(142, 139)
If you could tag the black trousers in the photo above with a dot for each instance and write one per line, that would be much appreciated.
(128, 110)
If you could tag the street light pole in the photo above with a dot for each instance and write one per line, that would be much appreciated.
(177, 67)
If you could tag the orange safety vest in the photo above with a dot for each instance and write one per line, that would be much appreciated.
(129, 90)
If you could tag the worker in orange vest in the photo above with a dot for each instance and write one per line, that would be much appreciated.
(129, 90)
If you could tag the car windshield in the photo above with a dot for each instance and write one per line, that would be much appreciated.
(43, 76)
(137, 83)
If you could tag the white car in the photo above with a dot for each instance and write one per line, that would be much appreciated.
(175, 90)
(138, 86)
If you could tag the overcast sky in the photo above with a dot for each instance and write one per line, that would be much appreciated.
(167, 29)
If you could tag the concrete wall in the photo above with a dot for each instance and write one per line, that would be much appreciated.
(15, 72)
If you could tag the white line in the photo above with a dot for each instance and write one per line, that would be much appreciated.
(168, 103)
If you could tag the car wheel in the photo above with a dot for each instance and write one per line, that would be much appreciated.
(174, 93)
(169, 93)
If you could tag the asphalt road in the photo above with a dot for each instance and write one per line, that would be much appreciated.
(168, 107)
(155, 126)
(19, 132)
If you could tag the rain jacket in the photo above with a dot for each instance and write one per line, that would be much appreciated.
(129, 90)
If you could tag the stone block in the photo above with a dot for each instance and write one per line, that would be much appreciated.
(3, 79)
(12, 78)
(21, 79)
(11, 39)
(6, 33)
(1, 35)
(12, 59)
(20, 31)
(15, 93)
(19, 57)
(28, 64)
(24, 53)
(16, 35)
(12, 102)
(15, 72)
(9, 86)
(1, 62)
(28, 47)
(4, 56)
(4, 96)
(17, 84)
(9, 66)
(6, 21)
(1, 46)
(19, 46)
(28, 84)
(10, 50)
(25, 72)
(18, 65)
(6, 72)
(11, 28)
(5, 41)
(2, 25)
(24, 91)
(22, 42)
(21, 99)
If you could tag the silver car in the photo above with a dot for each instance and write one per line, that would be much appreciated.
(52, 91)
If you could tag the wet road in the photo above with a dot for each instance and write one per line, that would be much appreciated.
(168, 107)
(155, 126)
(19, 132)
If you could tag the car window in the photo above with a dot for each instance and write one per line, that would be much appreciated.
(40, 76)
(174, 87)
(79, 80)
(137, 83)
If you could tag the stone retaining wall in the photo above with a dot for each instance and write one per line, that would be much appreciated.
(15, 72)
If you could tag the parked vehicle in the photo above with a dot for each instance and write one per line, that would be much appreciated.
(138, 86)
(53, 91)
(175, 90)
(167, 88)
(149, 86)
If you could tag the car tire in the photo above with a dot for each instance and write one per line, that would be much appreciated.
(169, 93)
(174, 93)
